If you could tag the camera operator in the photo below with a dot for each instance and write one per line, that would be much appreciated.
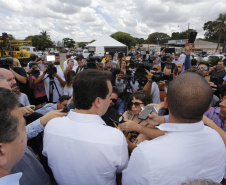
(18, 72)
(33, 58)
(39, 93)
(56, 73)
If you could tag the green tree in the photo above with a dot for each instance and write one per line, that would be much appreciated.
(215, 30)
(69, 43)
(29, 37)
(82, 44)
(41, 41)
(158, 38)
(139, 41)
(124, 38)
(181, 35)
(221, 28)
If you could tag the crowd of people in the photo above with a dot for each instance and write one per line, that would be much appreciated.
(77, 125)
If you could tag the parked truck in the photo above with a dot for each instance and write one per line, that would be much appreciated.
(19, 49)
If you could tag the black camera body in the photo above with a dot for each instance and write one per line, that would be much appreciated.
(51, 70)
(92, 61)
(5, 62)
(160, 76)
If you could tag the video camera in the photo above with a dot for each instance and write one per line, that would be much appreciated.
(160, 76)
(92, 61)
(51, 70)
(5, 62)
(34, 72)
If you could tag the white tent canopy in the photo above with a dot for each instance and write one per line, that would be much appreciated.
(106, 41)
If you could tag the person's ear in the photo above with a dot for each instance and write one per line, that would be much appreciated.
(97, 102)
(3, 158)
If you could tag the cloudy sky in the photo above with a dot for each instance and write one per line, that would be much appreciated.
(85, 20)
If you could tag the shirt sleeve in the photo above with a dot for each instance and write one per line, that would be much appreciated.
(124, 156)
(121, 106)
(166, 118)
(33, 129)
(155, 93)
(187, 62)
(137, 168)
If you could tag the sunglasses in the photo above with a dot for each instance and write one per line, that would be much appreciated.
(204, 68)
(114, 100)
(136, 104)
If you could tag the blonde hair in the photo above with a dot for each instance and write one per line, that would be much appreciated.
(17, 61)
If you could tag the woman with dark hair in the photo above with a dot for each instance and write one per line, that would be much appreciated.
(68, 89)
(135, 102)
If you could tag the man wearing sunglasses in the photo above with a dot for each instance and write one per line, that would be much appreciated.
(116, 102)
(203, 67)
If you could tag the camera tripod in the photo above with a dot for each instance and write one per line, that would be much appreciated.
(51, 87)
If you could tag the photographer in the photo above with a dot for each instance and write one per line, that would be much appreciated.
(37, 87)
(18, 72)
(49, 73)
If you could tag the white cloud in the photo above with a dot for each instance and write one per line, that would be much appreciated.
(85, 20)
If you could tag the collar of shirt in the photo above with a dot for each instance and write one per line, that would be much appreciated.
(182, 127)
(11, 179)
(85, 118)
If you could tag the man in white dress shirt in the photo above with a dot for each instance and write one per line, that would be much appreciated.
(189, 149)
(81, 148)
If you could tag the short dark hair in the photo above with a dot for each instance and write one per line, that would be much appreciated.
(189, 102)
(63, 98)
(224, 62)
(223, 90)
(31, 64)
(33, 57)
(193, 62)
(116, 91)
(194, 70)
(8, 123)
(88, 85)
(204, 63)
(139, 95)
(57, 55)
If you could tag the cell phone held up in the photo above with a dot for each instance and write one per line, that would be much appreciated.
(192, 37)
(146, 111)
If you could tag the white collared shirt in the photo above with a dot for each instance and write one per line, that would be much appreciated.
(81, 149)
(12, 179)
(186, 151)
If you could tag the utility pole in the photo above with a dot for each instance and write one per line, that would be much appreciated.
(188, 31)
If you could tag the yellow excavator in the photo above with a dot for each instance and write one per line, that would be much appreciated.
(19, 49)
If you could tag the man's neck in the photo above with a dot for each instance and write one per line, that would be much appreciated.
(82, 111)
(4, 172)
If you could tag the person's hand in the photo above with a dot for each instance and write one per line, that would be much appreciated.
(129, 126)
(56, 75)
(44, 70)
(158, 106)
(149, 75)
(50, 115)
(154, 119)
(213, 86)
(27, 110)
(29, 71)
(188, 47)
(162, 84)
